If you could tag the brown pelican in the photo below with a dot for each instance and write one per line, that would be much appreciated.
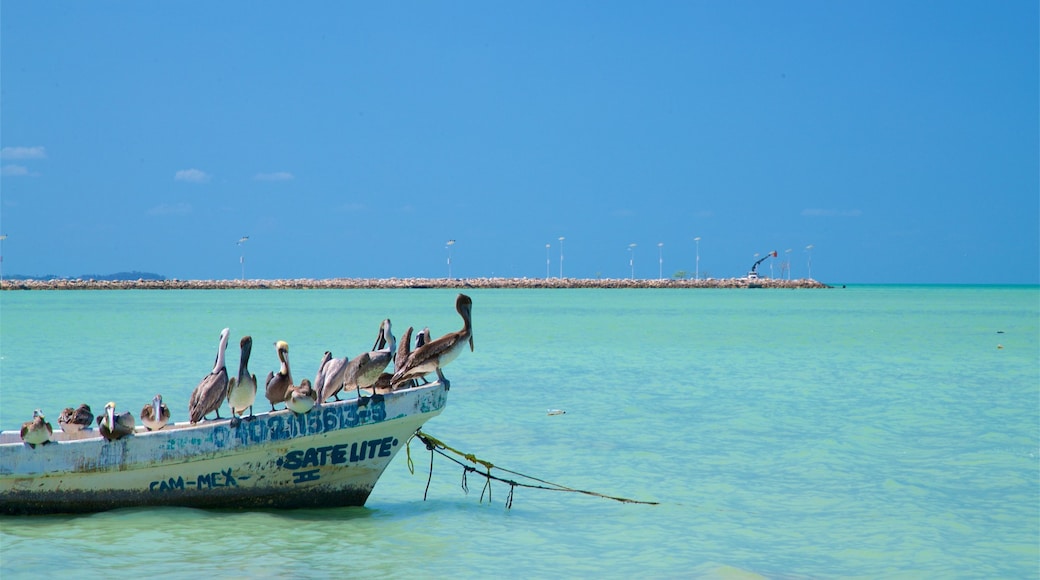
(113, 426)
(37, 431)
(319, 379)
(337, 373)
(423, 337)
(300, 398)
(277, 385)
(242, 390)
(433, 356)
(213, 388)
(156, 414)
(76, 420)
(346, 376)
(382, 353)
(404, 348)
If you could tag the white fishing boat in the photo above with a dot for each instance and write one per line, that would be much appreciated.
(331, 456)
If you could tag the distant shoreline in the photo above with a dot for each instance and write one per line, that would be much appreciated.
(395, 283)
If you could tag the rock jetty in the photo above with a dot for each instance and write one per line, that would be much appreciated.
(385, 283)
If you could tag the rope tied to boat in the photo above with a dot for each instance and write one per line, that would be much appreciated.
(434, 445)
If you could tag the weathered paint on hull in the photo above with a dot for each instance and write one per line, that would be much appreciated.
(332, 456)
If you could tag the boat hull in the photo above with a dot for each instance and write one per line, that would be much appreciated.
(330, 457)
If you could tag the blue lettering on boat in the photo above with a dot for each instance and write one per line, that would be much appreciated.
(337, 454)
(205, 481)
(262, 429)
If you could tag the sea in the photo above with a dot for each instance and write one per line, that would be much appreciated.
(850, 432)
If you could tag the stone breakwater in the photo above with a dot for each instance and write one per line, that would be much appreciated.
(385, 283)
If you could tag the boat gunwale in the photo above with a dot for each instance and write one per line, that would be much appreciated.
(12, 438)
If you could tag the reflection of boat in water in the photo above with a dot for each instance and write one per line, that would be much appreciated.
(331, 456)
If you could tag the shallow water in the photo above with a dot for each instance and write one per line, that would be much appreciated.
(859, 432)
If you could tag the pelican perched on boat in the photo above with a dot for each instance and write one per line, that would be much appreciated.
(379, 358)
(300, 398)
(423, 337)
(319, 379)
(277, 386)
(156, 414)
(37, 431)
(213, 388)
(75, 420)
(404, 348)
(242, 389)
(434, 355)
(335, 374)
(115, 426)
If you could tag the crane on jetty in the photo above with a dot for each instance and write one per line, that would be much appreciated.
(753, 274)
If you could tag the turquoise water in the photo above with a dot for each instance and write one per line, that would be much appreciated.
(859, 432)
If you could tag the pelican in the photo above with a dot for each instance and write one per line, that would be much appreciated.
(382, 353)
(156, 414)
(300, 398)
(433, 356)
(277, 385)
(423, 337)
(319, 379)
(242, 390)
(113, 426)
(336, 373)
(404, 348)
(37, 431)
(213, 388)
(76, 420)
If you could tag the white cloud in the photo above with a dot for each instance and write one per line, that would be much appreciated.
(170, 209)
(37, 152)
(816, 212)
(191, 176)
(12, 170)
(276, 176)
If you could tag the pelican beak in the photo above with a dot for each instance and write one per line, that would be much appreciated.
(157, 408)
(111, 409)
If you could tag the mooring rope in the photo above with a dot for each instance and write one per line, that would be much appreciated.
(436, 445)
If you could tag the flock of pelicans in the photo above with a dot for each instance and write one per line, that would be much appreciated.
(365, 371)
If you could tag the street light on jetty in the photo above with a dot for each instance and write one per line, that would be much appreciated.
(561, 257)
(788, 260)
(547, 246)
(2, 238)
(697, 269)
(448, 247)
(660, 260)
(809, 249)
(632, 259)
(242, 256)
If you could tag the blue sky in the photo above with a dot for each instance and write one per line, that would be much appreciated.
(899, 139)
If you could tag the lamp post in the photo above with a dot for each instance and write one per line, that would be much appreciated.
(788, 260)
(632, 259)
(809, 249)
(242, 256)
(660, 260)
(2, 238)
(697, 269)
(448, 247)
(561, 257)
(547, 246)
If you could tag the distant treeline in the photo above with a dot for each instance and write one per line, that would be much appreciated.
(108, 277)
